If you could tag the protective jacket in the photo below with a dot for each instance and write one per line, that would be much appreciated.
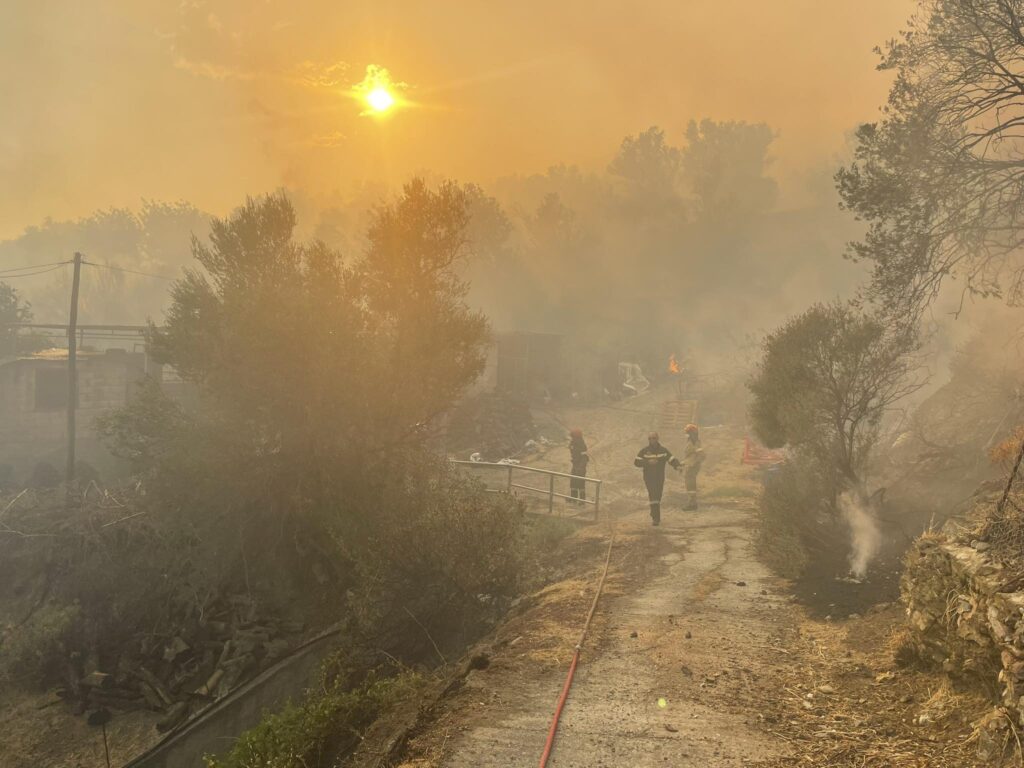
(578, 454)
(693, 454)
(653, 458)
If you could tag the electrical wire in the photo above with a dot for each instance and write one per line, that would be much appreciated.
(129, 271)
(37, 272)
(33, 266)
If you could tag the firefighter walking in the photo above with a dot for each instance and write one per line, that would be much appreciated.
(652, 458)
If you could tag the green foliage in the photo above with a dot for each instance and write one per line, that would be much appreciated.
(649, 162)
(725, 164)
(93, 578)
(144, 434)
(938, 178)
(434, 539)
(324, 727)
(789, 509)
(826, 380)
(13, 310)
(318, 378)
(318, 367)
(153, 239)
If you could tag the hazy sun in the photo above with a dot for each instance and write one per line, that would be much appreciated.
(379, 99)
(379, 92)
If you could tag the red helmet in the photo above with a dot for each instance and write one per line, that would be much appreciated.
(691, 429)
(575, 433)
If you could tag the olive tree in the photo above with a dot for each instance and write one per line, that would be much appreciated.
(940, 178)
(824, 383)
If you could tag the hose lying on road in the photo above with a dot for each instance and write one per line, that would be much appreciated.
(549, 745)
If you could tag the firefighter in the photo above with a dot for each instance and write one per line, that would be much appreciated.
(580, 458)
(693, 457)
(652, 458)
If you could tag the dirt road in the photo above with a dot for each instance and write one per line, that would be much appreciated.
(684, 632)
(614, 715)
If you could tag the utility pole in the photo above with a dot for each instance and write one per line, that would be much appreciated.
(69, 474)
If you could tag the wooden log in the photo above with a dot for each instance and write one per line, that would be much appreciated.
(174, 715)
(154, 682)
(210, 686)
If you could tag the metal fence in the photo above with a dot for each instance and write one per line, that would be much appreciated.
(508, 482)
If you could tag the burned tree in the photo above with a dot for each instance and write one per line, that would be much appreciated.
(940, 179)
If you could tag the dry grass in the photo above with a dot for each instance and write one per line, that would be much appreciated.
(847, 705)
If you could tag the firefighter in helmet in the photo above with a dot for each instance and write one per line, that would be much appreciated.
(693, 457)
(652, 458)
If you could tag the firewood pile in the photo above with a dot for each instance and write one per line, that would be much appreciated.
(108, 610)
(179, 674)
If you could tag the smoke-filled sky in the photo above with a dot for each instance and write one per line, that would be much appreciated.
(111, 101)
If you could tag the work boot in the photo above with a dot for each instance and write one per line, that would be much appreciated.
(655, 514)
(691, 502)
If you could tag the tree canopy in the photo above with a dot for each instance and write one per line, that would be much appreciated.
(827, 378)
(940, 178)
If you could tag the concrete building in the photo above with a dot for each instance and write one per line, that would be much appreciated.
(34, 401)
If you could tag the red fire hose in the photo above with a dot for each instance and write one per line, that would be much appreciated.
(575, 659)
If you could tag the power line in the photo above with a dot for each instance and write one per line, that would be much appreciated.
(37, 272)
(33, 266)
(129, 271)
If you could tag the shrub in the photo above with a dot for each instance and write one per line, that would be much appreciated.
(789, 509)
(38, 650)
(324, 728)
(437, 542)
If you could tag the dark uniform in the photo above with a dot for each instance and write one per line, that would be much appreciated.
(580, 459)
(653, 458)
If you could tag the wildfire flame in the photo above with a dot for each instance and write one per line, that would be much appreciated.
(673, 366)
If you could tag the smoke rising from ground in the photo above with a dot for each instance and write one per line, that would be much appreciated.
(865, 536)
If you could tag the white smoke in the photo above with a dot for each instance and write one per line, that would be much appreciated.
(865, 538)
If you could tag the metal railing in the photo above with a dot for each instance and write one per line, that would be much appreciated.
(508, 484)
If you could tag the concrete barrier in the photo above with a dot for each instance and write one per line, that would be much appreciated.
(214, 729)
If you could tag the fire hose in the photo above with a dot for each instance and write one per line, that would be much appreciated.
(549, 745)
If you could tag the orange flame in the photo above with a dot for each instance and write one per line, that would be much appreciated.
(673, 366)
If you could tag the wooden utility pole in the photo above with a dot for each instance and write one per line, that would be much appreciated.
(69, 474)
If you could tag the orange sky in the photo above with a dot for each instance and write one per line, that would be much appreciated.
(210, 100)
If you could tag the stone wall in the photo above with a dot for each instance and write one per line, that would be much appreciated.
(966, 615)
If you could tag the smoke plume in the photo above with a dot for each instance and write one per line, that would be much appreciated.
(865, 538)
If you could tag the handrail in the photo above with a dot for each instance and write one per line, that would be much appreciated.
(550, 491)
(500, 465)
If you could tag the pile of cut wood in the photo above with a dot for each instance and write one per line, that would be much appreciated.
(180, 674)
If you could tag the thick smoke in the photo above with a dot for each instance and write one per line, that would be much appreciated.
(865, 537)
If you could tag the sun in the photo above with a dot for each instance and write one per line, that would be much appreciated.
(379, 92)
(380, 99)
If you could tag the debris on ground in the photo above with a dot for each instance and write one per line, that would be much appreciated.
(494, 424)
